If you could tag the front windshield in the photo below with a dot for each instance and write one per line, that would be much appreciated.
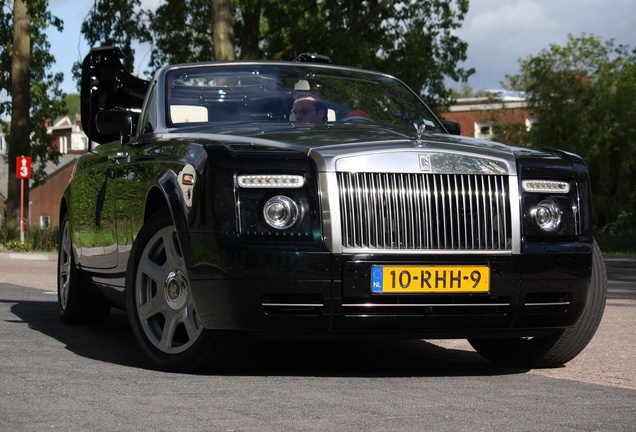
(290, 93)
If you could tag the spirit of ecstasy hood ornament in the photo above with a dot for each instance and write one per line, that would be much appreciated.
(419, 130)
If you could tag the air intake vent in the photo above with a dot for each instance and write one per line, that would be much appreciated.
(547, 302)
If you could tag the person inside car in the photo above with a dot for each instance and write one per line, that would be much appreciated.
(309, 108)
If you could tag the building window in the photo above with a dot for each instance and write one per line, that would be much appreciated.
(63, 144)
(45, 221)
(484, 130)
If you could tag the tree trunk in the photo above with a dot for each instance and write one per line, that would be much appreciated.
(251, 31)
(223, 29)
(19, 141)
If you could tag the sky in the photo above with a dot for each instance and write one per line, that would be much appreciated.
(499, 33)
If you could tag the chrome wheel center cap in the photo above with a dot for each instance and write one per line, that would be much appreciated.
(175, 290)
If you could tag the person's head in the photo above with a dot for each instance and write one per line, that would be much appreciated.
(309, 108)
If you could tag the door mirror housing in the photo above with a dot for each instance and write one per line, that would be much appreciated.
(116, 122)
(452, 127)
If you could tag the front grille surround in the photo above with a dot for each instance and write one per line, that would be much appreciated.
(421, 213)
(424, 211)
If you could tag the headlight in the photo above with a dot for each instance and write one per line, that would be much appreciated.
(281, 207)
(550, 210)
(548, 216)
(281, 212)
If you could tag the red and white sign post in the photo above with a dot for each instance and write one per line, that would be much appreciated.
(22, 171)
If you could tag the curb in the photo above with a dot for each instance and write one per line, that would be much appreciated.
(31, 256)
(620, 261)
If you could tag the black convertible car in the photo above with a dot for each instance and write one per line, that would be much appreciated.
(302, 199)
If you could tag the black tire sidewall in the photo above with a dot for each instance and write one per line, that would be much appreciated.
(84, 303)
(72, 313)
(196, 356)
(564, 345)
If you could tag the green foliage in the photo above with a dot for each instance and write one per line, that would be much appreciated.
(412, 40)
(118, 23)
(115, 23)
(466, 91)
(46, 96)
(422, 50)
(35, 239)
(182, 32)
(510, 132)
(6, 41)
(72, 101)
(584, 95)
(618, 236)
(508, 127)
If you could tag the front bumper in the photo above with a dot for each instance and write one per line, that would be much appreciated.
(296, 293)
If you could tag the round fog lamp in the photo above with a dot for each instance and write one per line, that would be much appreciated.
(280, 212)
(548, 216)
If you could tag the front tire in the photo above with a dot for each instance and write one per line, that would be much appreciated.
(159, 302)
(557, 349)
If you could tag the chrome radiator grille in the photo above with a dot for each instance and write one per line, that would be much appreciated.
(424, 211)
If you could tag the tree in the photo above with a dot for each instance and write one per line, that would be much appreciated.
(6, 42)
(182, 32)
(118, 23)
(412, 40)
(18, 138)
(223, 30)
(115, 22)
(466, 91)
(34, 94)
(584, 94)
(72, 101)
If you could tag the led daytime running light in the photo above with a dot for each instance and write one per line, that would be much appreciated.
(545, 186)
(260, 181)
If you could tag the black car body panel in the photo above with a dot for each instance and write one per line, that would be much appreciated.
(316, 277)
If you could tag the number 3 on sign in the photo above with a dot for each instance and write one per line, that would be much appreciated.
(23, 167)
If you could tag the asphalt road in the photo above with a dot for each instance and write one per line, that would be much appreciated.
(59, 377)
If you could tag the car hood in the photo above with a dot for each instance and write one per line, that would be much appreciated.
(338, 147)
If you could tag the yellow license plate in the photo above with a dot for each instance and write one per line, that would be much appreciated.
(430, 279)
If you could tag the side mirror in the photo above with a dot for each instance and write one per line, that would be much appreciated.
(116, 123)
(452, 127)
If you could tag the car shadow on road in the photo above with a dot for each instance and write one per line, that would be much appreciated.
(360, 358)
(114, 343)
